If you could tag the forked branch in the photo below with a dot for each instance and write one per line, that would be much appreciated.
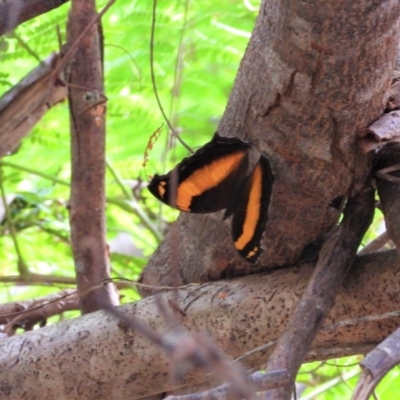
(335, 259)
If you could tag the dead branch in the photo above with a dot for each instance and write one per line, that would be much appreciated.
(28, 313)
(37, 310)
(383, 131)
(15, 12)
(335, 259)
(387, 128)
(87, 116)
(26, 103)
(377, 364)
(39, 360)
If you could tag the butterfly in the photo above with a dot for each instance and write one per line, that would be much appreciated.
(215, 178)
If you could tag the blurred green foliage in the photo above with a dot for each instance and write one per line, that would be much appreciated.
(197, 50)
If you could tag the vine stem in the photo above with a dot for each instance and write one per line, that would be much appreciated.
(153, 79)
(22, 266)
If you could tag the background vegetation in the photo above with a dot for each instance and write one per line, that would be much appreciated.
(197, 49)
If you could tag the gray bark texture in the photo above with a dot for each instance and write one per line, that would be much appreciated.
(94, 357)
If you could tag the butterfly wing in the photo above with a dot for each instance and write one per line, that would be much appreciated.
(250, 214)
(206, 181)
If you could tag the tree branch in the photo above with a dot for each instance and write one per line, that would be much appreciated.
(387, 354)
(26, 103)
(335, 259)
(87, 116)
(38, 362)
(15, 12)
(377, 364)
(38, 279)
(29, 312)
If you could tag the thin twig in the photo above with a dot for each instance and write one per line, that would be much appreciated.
(22, 266)
(128, 206)
(71, 51)
(26, 47)
(179, 63)
(127, 193)
(33, 172)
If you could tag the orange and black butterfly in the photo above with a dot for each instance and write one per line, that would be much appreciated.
(215, 178)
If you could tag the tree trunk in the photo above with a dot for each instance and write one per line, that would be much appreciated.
(314, 76)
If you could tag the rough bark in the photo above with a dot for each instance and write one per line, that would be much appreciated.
(240, 314)
(315, 74)
(15, 12)
(87, 116)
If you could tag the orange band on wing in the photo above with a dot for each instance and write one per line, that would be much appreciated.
(252, 211)
(208, 177)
